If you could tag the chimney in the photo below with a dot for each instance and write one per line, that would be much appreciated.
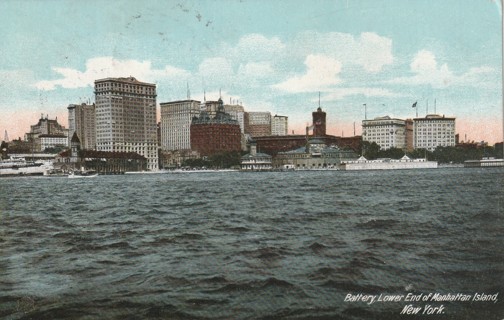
(253, 149)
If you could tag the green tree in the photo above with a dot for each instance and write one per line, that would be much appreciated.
(370, 150)
(393, 153)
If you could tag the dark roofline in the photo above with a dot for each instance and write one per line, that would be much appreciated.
(52, 136)
(178, 101)
(125, 80)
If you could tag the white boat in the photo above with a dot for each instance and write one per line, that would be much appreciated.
(200, 171)
(388, 164)
(20, 167)
(82, 174)
(485, 162)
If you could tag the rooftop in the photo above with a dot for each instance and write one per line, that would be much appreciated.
(131, 80)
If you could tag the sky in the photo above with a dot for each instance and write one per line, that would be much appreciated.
(278, 56)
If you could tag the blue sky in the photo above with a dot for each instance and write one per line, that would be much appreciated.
(270, 55)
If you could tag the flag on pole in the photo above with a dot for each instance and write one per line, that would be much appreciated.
(414, 104)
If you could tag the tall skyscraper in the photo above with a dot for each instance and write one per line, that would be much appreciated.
(176, 117)
(279, 125)
(126, 117)
(82, 120)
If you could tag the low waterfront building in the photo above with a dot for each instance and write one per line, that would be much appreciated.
(315, 155)
(255, 161)
(175, 158)
(275, 144)
(103, 162)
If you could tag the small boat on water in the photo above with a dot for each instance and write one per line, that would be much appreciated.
(82, 174)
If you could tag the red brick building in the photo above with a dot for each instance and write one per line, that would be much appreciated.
(319, 123)
(274, 144)
(257, 124)
(213, 135)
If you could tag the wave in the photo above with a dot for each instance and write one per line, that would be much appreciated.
(377, 223)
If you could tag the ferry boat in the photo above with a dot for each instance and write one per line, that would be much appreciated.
(20, 167)
(485, 162)
(388, 164)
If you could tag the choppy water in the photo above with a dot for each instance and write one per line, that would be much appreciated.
(250, 245)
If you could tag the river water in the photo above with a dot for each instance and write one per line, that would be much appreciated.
(236, 245)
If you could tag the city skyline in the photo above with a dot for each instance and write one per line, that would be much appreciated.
(271, 56)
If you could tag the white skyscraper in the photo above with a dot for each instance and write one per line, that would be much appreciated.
(176, 119)
(433, 131)
(279, 125)
(126, 117)
(385, 132)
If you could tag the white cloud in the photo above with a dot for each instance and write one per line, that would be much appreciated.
(341, 93)
(255, 70)
(424, 62)
(321, 73)
(370, 51)
(214, 69)
(426, 71)
(373, 51)
(103, 67)
(254, 47)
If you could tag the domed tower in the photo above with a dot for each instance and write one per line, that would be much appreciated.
(319, 123)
